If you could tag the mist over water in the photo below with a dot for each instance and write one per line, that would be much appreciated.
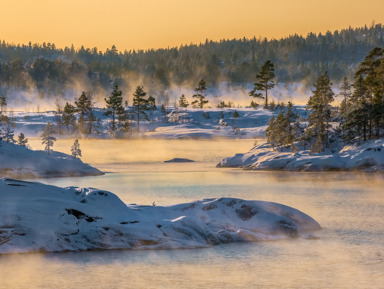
(105, 151)
(347, 253)
(31, 100)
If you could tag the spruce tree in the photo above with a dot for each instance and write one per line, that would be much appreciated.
(183, 102)
(264, 82)
(378, 100)
(8, 134)
(280, 129)
(84, 106)
(3, 104)
(114, 106)
(140, 105)
(320, 115)
(254, 104)
(271, 132)
(22, 140)
(48, 138)
(75, 149)
(200, 91)
(69, 118)
(345, 93)
(151, 103)
(357, 119)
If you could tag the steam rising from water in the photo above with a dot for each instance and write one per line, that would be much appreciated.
(104, 152)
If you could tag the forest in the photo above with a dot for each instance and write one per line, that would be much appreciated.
(52, 71)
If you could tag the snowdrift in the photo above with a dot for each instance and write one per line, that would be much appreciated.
(20, 162)
(39, 218)
(368, 156)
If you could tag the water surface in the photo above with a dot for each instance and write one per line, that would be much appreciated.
(347, 253)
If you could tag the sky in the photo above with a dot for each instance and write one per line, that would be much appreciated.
(147, 24)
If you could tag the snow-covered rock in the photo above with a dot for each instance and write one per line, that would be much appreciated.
(20, 162)
(368, 156)
(37, 217)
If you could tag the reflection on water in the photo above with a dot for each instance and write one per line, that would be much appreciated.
(118, 151)
(348, 253)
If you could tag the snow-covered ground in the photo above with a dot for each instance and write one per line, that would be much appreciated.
(20, 162)
(368, 156)
(176, 123)
(37, 217)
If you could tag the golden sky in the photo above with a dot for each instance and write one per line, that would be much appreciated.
(145, 24)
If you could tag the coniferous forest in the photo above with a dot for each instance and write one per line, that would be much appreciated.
(52, 71)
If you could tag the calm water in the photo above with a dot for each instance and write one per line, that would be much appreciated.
(348, 253)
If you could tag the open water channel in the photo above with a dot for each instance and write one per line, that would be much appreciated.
(347, 253)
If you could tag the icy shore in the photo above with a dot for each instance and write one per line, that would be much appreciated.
(39, 218)
(368, 156)
(22, 163)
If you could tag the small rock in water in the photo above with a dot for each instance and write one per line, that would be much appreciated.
(179, 160)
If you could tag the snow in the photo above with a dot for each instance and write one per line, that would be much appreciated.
(39, 218)
(20, 162)
(176, 123)
(368, 156)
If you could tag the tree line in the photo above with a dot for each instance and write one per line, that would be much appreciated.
(51, 70)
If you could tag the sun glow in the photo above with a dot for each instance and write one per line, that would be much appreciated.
(160, 24)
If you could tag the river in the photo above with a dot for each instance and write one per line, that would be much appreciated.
(347, 253)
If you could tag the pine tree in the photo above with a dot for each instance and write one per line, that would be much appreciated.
(84, 106)
(140, 104)
(22, 140)
(114, 106)
(183, 102)
(68, 118)
(200, 91)
(75, 149)
(236, 114)
(264, 82)
(48, 137)
(320, 115)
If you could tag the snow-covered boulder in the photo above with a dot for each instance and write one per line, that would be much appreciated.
(368, 156)
(37, 217)
(20, 162)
